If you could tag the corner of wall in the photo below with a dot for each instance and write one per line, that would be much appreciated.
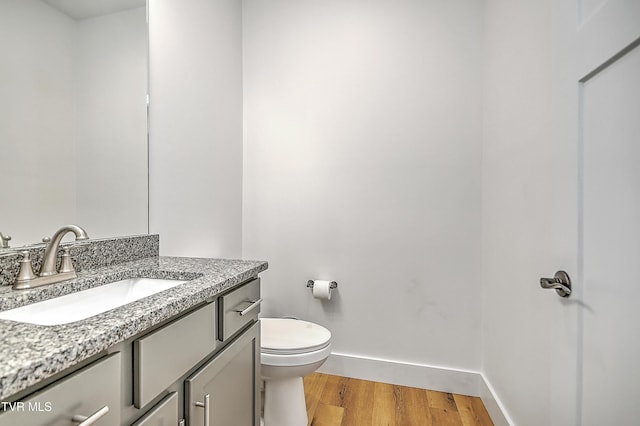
(492, 403)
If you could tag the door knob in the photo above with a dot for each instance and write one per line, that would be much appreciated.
(560, 282)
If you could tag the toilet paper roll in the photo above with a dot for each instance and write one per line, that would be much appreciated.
(322, 289)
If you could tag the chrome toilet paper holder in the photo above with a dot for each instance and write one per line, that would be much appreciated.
(332, 284)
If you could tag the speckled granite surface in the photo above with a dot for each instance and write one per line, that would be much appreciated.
(30, 353)
(86, 255)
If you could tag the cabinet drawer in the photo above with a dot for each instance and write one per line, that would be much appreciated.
(239, 308)
(165, 413)
(160, 358)
(83, 393)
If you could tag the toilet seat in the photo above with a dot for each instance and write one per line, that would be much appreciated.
(283, 336)
(295, 360)
(288, 342)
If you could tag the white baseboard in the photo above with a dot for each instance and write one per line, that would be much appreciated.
(404, 373)
(493, 405)
(418, 375)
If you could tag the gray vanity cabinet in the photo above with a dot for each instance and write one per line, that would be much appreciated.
(93, 391)
(201, 367)
(165, 413)
(225, 391)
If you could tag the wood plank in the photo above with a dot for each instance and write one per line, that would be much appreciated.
(327, 415)
(334, 390)
(313, 387)
(358, 402)
(384, 408)
(440, 417)
(442, 400)
(443, 409)
(467, 411)
(412, 408)
(481, 412)
(340, 401)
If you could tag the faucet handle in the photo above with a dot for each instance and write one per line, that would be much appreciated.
(66, 265)
(26, 269)
(4, 240)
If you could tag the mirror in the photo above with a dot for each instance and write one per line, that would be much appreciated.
(73, 118)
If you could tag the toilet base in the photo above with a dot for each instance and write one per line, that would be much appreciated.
(284, 403)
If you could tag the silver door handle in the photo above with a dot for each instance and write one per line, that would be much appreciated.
(205, 405)
(254, 304)
(86, 421)
(560, 282)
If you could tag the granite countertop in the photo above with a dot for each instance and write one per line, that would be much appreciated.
(30, 353)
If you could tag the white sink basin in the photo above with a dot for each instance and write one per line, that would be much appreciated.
(87, 303)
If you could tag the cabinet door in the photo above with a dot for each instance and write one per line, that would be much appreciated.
(225, 391)
(165, 413)
(93, 391)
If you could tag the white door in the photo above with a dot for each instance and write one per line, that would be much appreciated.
(596, 89)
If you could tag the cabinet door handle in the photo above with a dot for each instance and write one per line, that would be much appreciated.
(205, 405)
(254, 304)
(86, 421)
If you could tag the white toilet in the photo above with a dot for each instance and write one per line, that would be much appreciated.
(290, 349)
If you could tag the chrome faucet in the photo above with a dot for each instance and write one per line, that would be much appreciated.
(48, 274)
(51, 251)
(4, 240)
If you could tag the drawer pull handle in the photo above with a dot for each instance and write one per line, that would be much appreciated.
(86, 421)
(205, 405)
(254, 304)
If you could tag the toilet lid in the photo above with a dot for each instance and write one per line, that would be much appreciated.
(290, 336)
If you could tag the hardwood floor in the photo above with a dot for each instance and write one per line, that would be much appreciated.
(341, 401)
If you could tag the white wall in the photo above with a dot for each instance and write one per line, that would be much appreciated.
(196, 126)
(362, 152)
(517, 207)
(37, 119)
(111, 89)
(362, 163)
